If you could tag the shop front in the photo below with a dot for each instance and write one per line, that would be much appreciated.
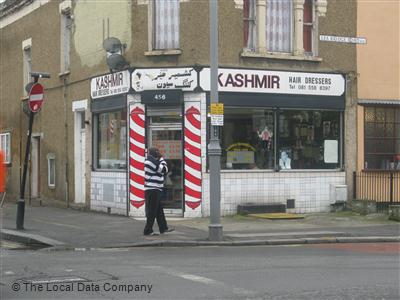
(108, 184)
(282, 140)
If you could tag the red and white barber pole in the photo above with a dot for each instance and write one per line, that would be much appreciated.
(192, 159)
(136, 159)
(35, 100)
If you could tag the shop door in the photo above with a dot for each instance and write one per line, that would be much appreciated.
(168, 139)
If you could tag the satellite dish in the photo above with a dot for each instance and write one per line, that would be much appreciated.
(116, 62)
(112, 45)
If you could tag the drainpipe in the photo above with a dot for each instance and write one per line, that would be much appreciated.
(66, 141)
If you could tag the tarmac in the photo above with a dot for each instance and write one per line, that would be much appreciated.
(52, 228)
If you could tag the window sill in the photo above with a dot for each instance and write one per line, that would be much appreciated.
(163, 52)
(281, 56)
(65, 73)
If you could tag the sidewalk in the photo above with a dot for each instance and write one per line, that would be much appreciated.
(67, 229)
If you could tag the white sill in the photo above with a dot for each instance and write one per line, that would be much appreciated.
(163, 52)
(65, 73)
(282, 56)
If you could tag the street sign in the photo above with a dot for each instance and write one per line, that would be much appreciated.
(217, 108)
(35, 100)
(217, 114)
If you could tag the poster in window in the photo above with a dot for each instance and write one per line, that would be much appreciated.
(331, 152)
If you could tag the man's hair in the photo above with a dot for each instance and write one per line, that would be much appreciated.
(153, 151)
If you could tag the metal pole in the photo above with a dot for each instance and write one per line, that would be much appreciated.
(214, 148)
(21, 201)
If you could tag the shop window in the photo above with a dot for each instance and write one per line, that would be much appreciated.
(111, 140)
(5, 146)
(247, 140)
(309, 140)
(165, 24)
(382, 138)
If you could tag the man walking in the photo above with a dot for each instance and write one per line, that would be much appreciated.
(155, 169)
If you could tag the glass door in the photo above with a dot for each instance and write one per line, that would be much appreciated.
(167, 137)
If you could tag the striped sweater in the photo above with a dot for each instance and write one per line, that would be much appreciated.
(155, 170)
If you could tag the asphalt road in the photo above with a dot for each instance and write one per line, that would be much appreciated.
(328, 271)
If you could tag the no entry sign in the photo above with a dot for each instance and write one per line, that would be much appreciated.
(35, 97)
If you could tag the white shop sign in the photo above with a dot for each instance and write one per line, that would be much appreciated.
(184, 79)
(110, 84)
(277, 82)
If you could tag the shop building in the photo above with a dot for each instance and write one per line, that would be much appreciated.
(282, 138)
(288, 133)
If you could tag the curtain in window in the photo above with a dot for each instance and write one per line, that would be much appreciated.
(307, 25)
(166, 24)
(249, 24)
(279, 25)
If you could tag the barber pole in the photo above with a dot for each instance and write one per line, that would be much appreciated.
(136, 157)
(192, 155)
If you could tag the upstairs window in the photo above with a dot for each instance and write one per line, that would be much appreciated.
(308, 26)
(249, 25)
(66, 25)
(165, 24)
(287, 27)
(279, 25)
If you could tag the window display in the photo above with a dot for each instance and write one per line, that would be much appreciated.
(111, 137)
(304, 139)
(247, 140)
(307, 138)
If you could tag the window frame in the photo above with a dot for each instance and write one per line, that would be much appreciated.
(7, 152)
(51, 176)
(65, 40)
(297, 46)
(374, 138)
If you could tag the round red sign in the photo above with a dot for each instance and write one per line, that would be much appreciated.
(35, 100)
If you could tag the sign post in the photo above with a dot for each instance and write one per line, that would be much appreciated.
(35, 102)
(214, 148)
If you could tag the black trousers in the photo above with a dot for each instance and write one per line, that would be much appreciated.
(154, 210)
